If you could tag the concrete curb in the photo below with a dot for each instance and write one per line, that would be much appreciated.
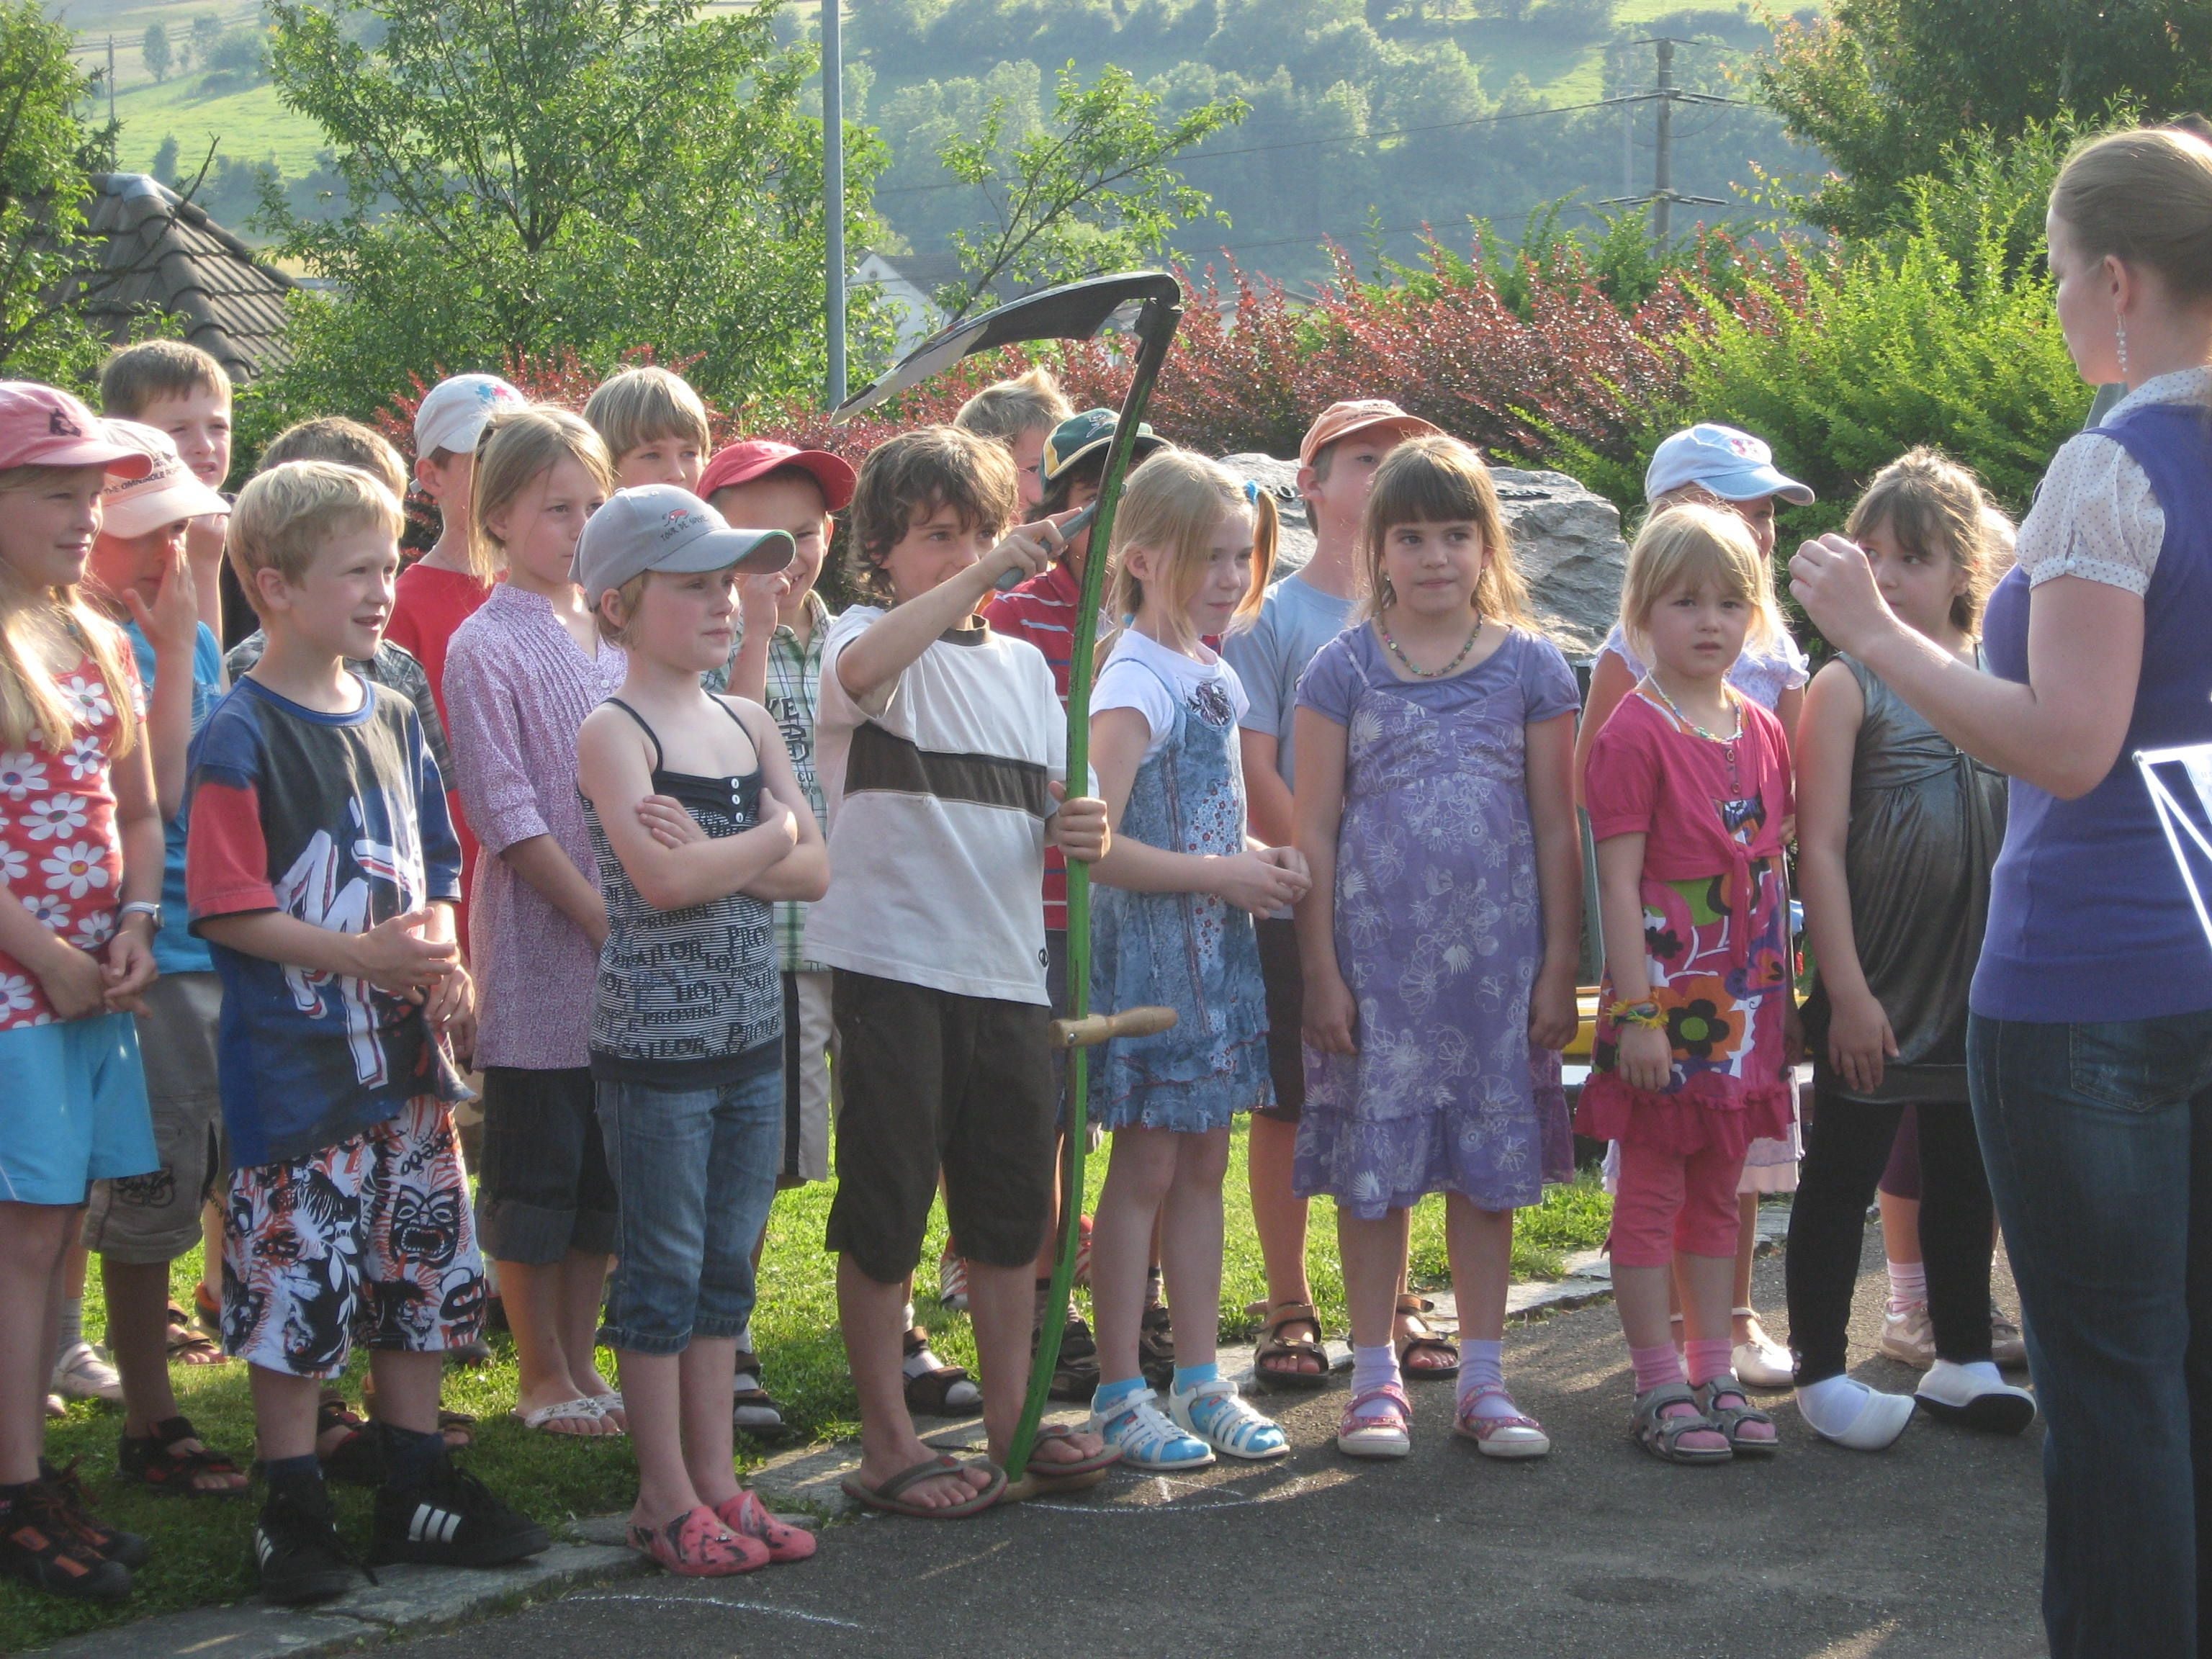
(804, 1483)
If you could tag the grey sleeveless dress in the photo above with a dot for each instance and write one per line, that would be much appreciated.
(1926, 825)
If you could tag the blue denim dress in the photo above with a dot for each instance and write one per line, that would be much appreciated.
(1188, 951)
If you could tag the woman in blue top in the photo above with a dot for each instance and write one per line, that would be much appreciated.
(2089, 1046)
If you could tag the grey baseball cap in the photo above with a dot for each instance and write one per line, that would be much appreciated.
(662, 527)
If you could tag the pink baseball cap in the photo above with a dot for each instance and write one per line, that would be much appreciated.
(168, 491)
(742, 463)
(1341, 420)
(40, 426)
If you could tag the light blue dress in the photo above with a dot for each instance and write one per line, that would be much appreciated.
(1192, 952)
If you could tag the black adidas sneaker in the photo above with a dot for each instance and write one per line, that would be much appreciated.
(451, 1519)
(296, 1544)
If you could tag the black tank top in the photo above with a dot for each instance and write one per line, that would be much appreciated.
(684, 995)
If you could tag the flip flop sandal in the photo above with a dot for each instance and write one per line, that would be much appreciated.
(1277, 1345)
(579, 1410)
(1043, 1480)
(1730, 1419)
(1421, 1337)
(155, 1461)
(886, 1499)
(698, 1546)
(188, 1346)
(930, 1393)
(1661, 1436)
(1517, 1436)
(747, 1517)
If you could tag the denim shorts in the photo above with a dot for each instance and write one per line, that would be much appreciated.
(694, 1171)
(542, 1188)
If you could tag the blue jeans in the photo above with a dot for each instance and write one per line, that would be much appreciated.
(694, 1172)
(2099, 1143)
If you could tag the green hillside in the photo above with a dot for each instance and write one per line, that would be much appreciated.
(1369, 118)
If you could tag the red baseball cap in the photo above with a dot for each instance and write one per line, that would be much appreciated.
(42, 427)
(1341, 420)
(743, 463)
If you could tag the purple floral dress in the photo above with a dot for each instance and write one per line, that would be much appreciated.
(1439, 934)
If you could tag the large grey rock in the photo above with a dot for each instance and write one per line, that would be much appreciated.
(1566, 542)
(1567, 545)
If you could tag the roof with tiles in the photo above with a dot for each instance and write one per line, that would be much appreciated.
(164, 252)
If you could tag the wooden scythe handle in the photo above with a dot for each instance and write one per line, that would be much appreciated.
(1094, 1028)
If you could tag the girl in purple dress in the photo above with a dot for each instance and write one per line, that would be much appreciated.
(1434, 807)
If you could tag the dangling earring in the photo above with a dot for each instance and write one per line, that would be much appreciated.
(2120, 335)
(1389, 594)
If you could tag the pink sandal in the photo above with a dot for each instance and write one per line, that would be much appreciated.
(698, 1546)
(1517, 1436)
(1380, 1434)
(747, 1517)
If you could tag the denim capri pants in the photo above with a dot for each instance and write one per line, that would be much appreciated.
(695, 1168)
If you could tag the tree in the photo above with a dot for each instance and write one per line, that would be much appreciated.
(593, 175)
(1090, 190)
(48, 265)
(1880, 86)
(156, 51)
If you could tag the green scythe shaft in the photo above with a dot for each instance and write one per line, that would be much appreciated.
(1155, 327)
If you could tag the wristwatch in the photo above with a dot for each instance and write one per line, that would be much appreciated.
(149, 908)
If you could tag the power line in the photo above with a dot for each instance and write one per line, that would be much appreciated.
(1197, 155)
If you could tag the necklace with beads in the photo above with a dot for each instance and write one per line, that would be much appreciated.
(1728, 743)
(1414, 668)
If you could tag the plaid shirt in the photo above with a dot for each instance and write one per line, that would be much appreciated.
(794, 691)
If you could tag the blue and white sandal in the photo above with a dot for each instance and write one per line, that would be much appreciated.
(1215, 1413)
(1147, 1440)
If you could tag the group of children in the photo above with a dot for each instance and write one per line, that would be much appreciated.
(597, 800)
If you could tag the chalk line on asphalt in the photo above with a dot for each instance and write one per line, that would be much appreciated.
(716, 1601)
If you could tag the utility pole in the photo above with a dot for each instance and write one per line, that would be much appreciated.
(833, 189)
(1662, 195)
(111, 80)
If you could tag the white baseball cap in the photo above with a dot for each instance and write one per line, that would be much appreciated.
(453, 413)
(664, 527)
(167, 492)
(1734, 465)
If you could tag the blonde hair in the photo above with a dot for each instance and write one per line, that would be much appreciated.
(1933, 505)
(284, 515)
(30, 702)
(1171, 505)
(914, 475)
(2143, 196)
(1006, 408)
(628, 596)
(1436, 479)
(1680, 546)
(640, 404)
(519, 446)
(349, 443)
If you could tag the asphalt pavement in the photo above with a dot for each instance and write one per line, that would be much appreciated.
(1931, 1548)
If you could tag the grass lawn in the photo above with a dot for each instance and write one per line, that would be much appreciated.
(201, 1555)
(252, 125)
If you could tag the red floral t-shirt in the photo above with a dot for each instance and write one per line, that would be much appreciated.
(59, 855)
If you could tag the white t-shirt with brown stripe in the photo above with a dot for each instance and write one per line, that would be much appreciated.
(936, 787)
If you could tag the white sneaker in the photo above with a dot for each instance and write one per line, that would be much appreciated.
(82, 1373)
(1761, 1362)
(1955, 1394)
(1909, 1337)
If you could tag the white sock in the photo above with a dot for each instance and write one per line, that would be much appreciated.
(1482, 1364)
(1374, 1367)
(72, 1332)
(907, 1316)
(1908, 1286)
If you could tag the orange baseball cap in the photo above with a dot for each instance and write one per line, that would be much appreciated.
(1340, 421)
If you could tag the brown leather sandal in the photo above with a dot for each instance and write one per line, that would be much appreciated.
(1421, 1337)
(1281, 1351)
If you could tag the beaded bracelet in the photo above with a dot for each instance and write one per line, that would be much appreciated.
(1645, 1014)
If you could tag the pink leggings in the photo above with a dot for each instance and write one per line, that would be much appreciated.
(1669, 1203)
